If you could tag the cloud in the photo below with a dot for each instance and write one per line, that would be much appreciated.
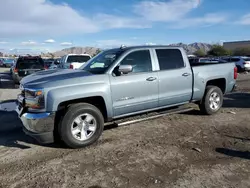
(115, 22)
(29, 43)
(245, 20)
(42, 17)
(205, 21)
(3, 42)
(66, 43)
(50, 41)
(165, 11)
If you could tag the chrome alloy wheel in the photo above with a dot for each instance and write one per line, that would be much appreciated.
(214, 101)
(83, 127)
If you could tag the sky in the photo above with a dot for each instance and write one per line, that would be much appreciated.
(42, 25)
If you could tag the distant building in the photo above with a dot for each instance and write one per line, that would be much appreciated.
(236, 44)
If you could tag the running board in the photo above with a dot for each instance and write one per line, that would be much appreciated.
(120, 123)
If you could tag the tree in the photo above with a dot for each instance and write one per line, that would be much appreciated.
(200, 53)
(218, 50)
(242, 51)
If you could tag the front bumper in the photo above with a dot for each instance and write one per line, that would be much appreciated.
(39, 126)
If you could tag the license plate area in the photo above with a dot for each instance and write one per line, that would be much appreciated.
(20, 104)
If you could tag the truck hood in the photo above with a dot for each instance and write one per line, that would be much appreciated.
(42, 78)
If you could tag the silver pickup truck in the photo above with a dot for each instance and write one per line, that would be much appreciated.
(74, 105)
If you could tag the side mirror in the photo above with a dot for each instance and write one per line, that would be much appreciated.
(125, 69)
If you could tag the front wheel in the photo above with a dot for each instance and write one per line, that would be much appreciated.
(81, 126)
(212, 100)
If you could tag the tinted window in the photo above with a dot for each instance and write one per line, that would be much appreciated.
(140, 61)
(169, 59)
(30, 63)
(234, 59)
(77, 58)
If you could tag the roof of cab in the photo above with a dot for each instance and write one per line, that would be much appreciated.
(146, 46)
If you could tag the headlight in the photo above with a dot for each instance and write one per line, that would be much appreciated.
(34, 98)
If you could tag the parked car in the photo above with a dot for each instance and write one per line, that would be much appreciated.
(1, 62)
(117, 83)
(55, 64)
(73, 61)
(27, 65)
(48, 62)
(8, 62)
(242, 62)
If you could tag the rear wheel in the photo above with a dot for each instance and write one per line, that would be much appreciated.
(81, 126)
(212, 100)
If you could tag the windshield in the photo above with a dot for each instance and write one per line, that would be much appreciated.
(78, 58)
(101, 63)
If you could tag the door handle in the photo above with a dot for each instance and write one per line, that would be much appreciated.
(151, 79)
(186, 74)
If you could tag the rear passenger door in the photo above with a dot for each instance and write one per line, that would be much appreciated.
(175, 77)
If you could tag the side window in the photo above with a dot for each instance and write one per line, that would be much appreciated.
(169, 59)
(235, 59)
(140, 61)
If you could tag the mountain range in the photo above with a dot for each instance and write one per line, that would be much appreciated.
(189, 48)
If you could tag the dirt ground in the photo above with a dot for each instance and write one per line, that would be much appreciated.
(183, 150)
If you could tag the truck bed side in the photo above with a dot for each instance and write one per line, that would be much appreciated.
(221, 75)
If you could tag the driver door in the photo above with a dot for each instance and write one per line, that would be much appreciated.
(138, 90)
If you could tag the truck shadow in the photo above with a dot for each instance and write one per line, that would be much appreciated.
(234, 153)
(18, 139)
(237, 100)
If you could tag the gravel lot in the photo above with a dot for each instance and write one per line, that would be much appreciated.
(183, 150)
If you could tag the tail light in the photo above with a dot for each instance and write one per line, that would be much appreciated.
(235, 73)
(244, 63)
(15, 70)
(71, 67)
(45, 67)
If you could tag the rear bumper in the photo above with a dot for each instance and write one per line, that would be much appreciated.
(234, 88)
(39, 126)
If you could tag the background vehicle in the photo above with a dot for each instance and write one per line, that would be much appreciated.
(8, 62)
(55, 64)
(26, 65)
(48, 62)
(198, 60)
(114, 84)
(242, 63)
(1, 62)
(73, 61)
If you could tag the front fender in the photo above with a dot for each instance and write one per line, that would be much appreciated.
(56, 96)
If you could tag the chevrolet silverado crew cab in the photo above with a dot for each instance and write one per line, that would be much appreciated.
(73, 105)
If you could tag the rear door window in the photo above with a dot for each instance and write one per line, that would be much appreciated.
(30, 63)
(170, 59)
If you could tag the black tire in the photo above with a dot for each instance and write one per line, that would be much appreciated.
(205, 107)
(73, 112)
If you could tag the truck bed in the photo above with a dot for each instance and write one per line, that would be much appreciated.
(203, 72)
